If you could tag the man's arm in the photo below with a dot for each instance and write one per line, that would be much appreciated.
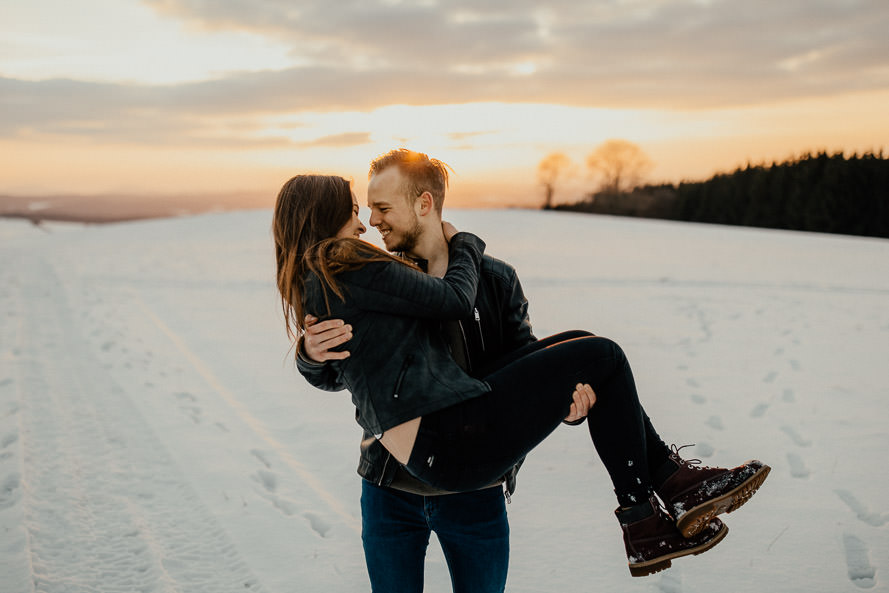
(515, 320)
(393, 288)
(314, 359)
(320, 338)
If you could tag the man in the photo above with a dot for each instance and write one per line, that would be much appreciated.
(405, 195)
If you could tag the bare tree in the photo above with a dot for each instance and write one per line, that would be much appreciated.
(620, 163)
(553, 166)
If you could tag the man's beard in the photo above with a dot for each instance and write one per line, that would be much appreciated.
(409, 239)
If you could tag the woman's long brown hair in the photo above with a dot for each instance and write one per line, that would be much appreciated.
(309, 212)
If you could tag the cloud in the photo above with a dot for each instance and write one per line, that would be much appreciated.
(186, 115)
(651, 52)
(467, 135)
(362, 55)
(340, 140)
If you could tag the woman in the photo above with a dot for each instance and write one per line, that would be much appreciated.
(458, 433)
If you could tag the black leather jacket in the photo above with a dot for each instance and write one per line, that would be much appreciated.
(400, 367)
(497, 325)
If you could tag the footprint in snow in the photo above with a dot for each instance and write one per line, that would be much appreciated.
(285, 506)
(861, 573)
(193, 412)
(8, 440)
(715, 422)
(759, 410)
(862, 512)
(771, 376)
(268, 480)
(798, 469)
(671, 582)
(10, 491)
(798, 439)
(704, 450)
(789, 396)
(318, 524)
(697, 398)
(261, 457)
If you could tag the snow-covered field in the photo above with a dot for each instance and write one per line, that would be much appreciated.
(155, 436)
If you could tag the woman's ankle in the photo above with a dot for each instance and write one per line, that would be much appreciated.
(630, 512)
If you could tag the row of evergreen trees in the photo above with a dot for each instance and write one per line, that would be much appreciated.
(823, 192)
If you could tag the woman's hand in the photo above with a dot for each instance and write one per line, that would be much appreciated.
(449, 230)
(321, 337)
(584, 399)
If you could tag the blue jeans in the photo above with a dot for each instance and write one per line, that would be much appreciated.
(471, 527)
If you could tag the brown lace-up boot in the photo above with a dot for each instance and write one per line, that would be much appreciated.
(652, 540)
(694, 494)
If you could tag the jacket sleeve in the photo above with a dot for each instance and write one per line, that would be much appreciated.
(323, 375)
(397, 289)
(517, 330)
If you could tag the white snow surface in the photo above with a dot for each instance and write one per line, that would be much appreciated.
(156, 437)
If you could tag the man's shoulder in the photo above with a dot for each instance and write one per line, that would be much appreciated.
(497, 269)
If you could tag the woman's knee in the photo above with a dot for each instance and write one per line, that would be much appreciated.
(612, 347)
(572, 334)
(564, 338)
(602, 350)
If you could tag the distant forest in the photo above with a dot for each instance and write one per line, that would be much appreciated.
(828, 193)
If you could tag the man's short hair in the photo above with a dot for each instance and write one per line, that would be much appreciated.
(421, 172)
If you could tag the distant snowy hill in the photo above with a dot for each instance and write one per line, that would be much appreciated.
(155, 435)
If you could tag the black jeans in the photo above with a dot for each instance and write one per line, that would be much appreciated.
(469, 445)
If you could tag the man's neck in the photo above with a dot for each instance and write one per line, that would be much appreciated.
(432, 247)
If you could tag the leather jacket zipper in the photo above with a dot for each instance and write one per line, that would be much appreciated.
(468, 358)
(478, 322)
(401, 374)
(383, 473)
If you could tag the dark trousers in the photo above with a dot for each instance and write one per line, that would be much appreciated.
(471, 527)
(469, 445)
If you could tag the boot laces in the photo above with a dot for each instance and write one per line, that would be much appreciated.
(690, 463)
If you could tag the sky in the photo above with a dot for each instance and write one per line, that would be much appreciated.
(188, 96)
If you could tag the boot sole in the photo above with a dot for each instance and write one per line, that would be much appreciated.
(642, 569)
(692, 522)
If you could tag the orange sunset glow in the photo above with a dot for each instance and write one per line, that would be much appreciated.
(180, 96)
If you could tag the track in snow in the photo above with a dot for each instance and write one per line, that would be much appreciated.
(90, 496)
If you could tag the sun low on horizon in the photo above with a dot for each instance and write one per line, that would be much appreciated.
(181, 96)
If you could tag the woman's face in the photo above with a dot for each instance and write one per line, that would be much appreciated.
(354, 228)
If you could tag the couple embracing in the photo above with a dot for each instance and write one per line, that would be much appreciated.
(432, 339)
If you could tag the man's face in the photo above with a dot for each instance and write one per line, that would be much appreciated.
(392, 211)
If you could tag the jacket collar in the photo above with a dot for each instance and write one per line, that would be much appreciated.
(422, 263)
